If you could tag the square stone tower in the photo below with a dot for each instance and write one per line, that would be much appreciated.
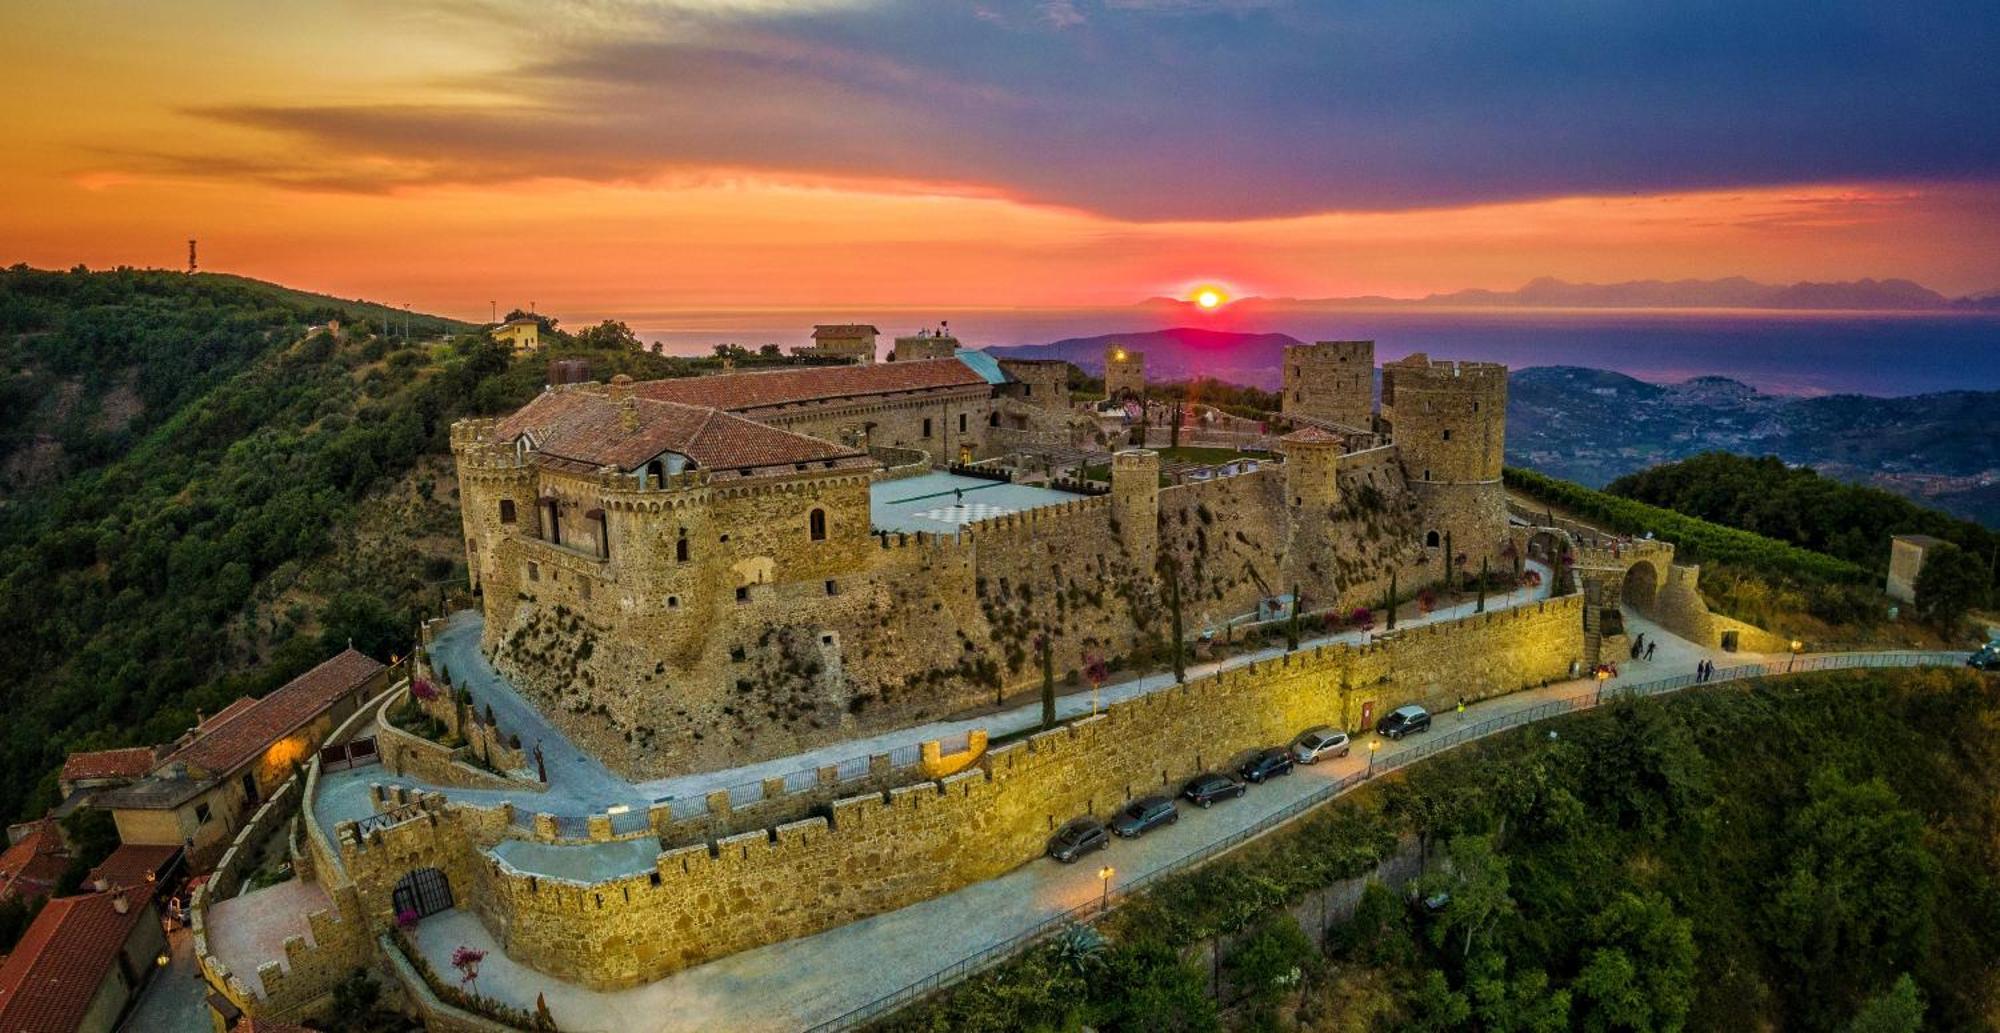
(1124, 373)
(1332, 381)
(1906, 561)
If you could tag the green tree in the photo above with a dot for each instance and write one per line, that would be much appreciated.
(1271, 959)
(1851, 901)
(1435, 1007)
(1048, 680)
(610, 335)
(1520, 1003)
(1950, 583)
(1900, 1009)
(1477, 883)
(1640, 973)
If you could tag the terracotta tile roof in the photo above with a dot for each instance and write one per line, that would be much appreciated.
(842, 330)
(221, 746)
(131, 863)
(47, 984)
(30, 868)
(127, 763)
(589, 428)
(228, 712)
(736, 392)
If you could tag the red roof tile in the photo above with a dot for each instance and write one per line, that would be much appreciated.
(736, 392)
(47, 984)
(30, 868)
(235, 707)
(131, 863)
(590, 428)
(224, 745)
(127, 763)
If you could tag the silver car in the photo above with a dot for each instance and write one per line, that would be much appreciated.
(1319, 742)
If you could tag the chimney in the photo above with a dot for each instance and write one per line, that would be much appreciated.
(121, 903)
(99, 884)
(628, 406)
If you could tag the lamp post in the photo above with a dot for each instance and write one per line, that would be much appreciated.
(1796, 646)
(1603, 673)
(1373, 745)
(1105, 873)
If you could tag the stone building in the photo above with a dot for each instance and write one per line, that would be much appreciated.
(748, 564)
(1124, 373)
(854, 342)
(1906, 561)
(1331, 381)
(924, 344)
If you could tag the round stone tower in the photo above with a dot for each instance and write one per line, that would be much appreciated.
(1448, 421)
(1135, 502)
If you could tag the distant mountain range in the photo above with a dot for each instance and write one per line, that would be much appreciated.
(1734, 292)
(1592, 425)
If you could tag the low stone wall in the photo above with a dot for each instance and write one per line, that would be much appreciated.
(301, 985)
(420, 758)
(706, 900)
(437, 1016)
(1680, 608)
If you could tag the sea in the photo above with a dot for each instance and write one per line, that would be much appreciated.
(1791, 353)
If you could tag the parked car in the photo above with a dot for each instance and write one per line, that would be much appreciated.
(1986, 659)
(1204, 789)
(1315, 743)
(1404, 721)
(1267, 763)
(1077, 838)
(1144, 815)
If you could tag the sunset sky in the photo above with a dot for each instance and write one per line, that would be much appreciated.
(620, 157)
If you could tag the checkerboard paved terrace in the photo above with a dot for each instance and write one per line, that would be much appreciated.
(944, 502)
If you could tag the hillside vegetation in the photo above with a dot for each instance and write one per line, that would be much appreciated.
(1647, 867)
(202, 499)
(1797, 506)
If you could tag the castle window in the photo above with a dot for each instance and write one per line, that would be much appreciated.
(817, 525)
(506, 511)
(656, 474)
(737, 653)
(927, 426)
(655, 876)
(534, 572)
(1427, 475)
(673, 602)
(1431, 540)
(1447, 434)
(826, 640)
(742, 593)
(1475, 407)
(681, 549)
(1027, 390)
(833, 588)
(993, 419)
(961, 423)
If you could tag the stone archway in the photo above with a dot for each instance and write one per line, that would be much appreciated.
(423, 892)
(1640, 587)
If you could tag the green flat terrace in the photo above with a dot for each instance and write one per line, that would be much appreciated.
(942, 503)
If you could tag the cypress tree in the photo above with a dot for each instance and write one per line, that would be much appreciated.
(1392, 602)
(1292, 625)
(1481, 606)
(1048, 682)
(1450, 564)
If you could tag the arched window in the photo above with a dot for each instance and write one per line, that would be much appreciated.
(818, 525)
(681, 547)
(1431, 540)
(656, 474)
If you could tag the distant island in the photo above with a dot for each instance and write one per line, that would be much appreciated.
(1733, 292)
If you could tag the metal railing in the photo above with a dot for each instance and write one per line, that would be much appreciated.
(1584, 700)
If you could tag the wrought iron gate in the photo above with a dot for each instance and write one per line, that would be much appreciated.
(424, 891)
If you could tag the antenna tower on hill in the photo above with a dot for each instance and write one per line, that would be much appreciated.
(191, 256)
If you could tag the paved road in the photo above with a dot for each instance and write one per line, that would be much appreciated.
(175, 999)
(790, 985)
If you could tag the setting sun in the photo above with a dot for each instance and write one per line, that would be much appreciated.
(1209, 298)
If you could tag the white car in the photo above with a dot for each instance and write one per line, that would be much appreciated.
(1320, 742)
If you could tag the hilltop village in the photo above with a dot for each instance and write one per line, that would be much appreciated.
(757, 654)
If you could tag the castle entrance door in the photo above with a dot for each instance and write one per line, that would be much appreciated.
(424, 891)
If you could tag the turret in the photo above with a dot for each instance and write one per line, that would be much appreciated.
(1124, 373)
(1448, 421)
(1135, 501)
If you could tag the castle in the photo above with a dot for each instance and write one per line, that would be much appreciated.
(744, 565)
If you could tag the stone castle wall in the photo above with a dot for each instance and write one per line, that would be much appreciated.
(1331, 380)
(878, 852)
(951, 425)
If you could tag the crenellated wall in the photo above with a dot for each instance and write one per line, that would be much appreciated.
(879, 851)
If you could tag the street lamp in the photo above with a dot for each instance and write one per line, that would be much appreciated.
(1105, 873)
(1373, 745)
(1603, 674)
(1796, 646)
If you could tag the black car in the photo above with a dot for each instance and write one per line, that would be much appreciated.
(1404, 721)
(1144, 815)
(1268, 763)
(1203, 790)
(1986, 659)
(1077, 838)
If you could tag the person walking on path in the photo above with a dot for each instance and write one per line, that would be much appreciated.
(1650, 646)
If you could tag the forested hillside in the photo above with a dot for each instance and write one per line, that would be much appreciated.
(1814, 853)
(202, 499)
(1797, 505)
